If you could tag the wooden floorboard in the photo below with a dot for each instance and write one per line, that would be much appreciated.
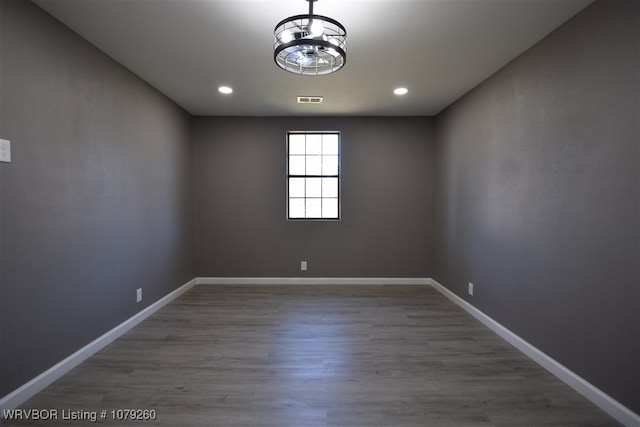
(308, 356)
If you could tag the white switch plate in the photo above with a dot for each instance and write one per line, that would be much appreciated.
(139, 295)
(5, 151)
(470, 288)
(303, 265)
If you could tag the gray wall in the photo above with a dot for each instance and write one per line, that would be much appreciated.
(386, 189)
(97, 200)
(538, 197)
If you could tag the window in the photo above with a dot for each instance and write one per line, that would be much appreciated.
(313, 178)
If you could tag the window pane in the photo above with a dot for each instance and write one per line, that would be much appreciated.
(314, 144)
(296, 208)
(314, 165)
(330, 144)
(314, 187)
(313, 183)
(329, 208)
(329, 187)
(296, 187)
(296, 144)
(296, 165)
(314, 208)
(330, 165)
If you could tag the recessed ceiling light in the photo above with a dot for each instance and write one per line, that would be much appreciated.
(401, 91)
(225, 89)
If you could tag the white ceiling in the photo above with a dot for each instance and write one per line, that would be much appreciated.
(439, 49)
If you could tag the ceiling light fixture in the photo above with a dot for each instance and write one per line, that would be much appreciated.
(401, 91)
(310, 44)
(225, 89)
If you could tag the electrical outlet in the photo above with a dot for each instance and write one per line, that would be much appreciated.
(303, 265)
(470, 288)
(139, 295)
(5, 151)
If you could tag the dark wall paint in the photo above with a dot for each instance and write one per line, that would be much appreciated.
(97, 201)
(538, 197)
(387, 186)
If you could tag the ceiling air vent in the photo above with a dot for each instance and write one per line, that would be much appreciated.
(310, 100)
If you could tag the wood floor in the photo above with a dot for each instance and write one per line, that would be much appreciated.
(316, 356)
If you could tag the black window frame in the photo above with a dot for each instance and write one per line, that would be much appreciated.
(337, 176)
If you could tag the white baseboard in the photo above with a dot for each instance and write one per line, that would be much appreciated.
(312, 281)
(26, 391)
(605, 402)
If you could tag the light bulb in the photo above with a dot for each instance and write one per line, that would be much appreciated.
(286, 36)
(315, 28)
